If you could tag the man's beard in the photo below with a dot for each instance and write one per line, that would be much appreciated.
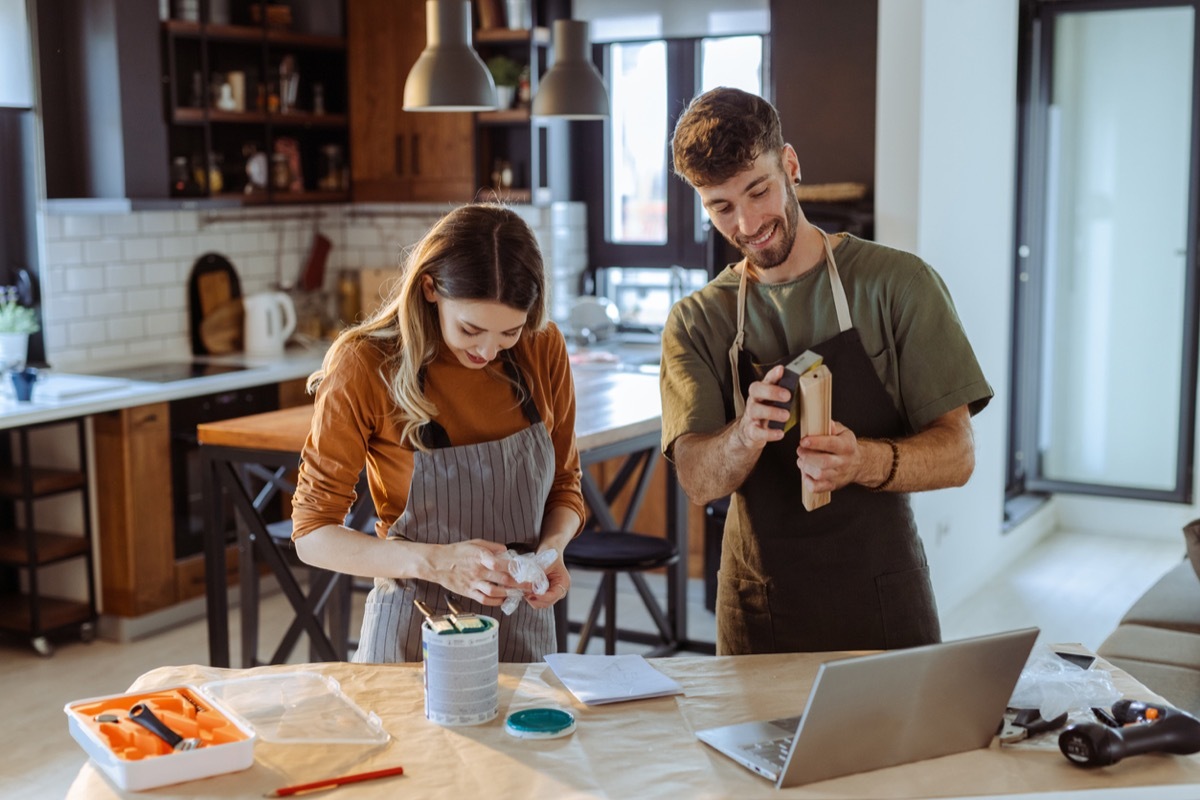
(778, 252)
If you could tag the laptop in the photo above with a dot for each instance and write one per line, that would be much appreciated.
(895, 707)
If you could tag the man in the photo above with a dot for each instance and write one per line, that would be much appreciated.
(851, 574)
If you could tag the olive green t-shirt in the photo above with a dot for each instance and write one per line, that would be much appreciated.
(899, 305)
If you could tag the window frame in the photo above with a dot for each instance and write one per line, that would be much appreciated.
(689, 238)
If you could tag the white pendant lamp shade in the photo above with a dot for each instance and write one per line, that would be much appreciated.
(449, 75)
(572, 88)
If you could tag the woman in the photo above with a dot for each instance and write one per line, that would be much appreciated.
(457, 397)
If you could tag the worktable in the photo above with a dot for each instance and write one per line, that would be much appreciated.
(638, 749)
(618, 414)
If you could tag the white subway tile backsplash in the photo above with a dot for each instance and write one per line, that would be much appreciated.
(85, 279)
(180, 246)
(121, 224)
(83, 226)
(103, 305)
(163, 324)
(99, 250)
(126, 327)
(63, 252)
(122, 275)
(160, 272)
(83, 333)
(139, 249)
(160, 221)
(139, 301)
(115, 285)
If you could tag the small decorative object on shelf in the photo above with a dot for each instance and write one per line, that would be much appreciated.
(506, 72)
(16, 323)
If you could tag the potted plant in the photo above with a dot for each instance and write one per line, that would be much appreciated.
(507, 74)
(17, 321)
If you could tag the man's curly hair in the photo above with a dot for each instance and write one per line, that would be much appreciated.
(721, 133)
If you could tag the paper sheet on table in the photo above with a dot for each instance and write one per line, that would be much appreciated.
(610, 679)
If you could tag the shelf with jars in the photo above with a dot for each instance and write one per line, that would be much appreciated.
(510, 146)
(254, 107)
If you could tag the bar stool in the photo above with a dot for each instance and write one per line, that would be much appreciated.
(615, 550)
(328, 595)
(611, 553)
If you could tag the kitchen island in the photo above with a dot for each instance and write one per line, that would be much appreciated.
(617, 416)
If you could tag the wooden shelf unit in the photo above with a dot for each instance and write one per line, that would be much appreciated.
(195, 55)
(26, 548)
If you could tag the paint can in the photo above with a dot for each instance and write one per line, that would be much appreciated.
(462, 674)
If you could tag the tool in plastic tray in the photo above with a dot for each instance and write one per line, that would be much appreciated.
(141, 726)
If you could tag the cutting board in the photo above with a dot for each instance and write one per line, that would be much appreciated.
(221, 331)
(375, 286)
(213, 283)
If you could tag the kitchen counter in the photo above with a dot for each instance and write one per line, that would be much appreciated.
(84, 394)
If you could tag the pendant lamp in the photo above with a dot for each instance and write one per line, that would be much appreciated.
(572, 88)
(449, 75)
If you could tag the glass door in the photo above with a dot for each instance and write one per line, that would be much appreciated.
(1105, 371)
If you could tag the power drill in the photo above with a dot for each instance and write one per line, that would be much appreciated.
(1144, 728)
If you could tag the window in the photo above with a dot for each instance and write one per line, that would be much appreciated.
(650, 218)
(1104, 375)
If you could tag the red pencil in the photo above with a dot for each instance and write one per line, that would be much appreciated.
(329, 783)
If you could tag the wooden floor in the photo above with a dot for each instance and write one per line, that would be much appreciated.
(1074, 586)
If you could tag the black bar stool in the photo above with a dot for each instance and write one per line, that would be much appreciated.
(612, 552)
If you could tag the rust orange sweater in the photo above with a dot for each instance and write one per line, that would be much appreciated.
(357, 423)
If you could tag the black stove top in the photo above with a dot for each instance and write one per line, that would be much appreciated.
(167, 372)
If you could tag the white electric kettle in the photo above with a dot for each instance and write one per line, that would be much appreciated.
(270, 318)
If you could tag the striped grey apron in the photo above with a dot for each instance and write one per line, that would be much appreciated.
(492, 490)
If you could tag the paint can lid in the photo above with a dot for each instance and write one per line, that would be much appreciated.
(540, 723)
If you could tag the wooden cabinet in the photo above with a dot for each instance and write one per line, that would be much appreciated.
(256, 113)
(137, 551)
(29, 547)
(139, 570)
(400, 156)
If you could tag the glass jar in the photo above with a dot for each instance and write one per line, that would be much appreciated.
(281, 172)
(330, 168)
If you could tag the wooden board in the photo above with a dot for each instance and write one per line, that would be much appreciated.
(816, 398)
(221, 330)
(374, 287)
(212, 284)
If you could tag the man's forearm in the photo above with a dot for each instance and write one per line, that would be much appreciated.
(713, 465)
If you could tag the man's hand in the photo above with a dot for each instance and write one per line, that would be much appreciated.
(829, 462)
(754, 426)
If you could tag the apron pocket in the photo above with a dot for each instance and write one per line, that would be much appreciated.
(907, 609)
(743, 617)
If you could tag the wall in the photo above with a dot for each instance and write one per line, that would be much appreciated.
(945, 190)
(115, 284)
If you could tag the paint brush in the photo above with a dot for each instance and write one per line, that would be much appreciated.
(438, 623)
(464, 621)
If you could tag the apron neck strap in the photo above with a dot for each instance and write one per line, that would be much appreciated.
(839, 303)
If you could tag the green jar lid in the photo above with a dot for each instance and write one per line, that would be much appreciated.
(540, 723)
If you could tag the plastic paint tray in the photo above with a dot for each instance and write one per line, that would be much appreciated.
(295, 707)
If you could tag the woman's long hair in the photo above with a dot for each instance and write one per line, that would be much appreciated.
(476, 252)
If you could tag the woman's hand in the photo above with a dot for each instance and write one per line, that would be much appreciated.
(560, 582)
(474, 569)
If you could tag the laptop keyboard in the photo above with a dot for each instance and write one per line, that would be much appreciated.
(773, 751)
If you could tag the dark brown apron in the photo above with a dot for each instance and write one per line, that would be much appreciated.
(492, 490)
(849, 575)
